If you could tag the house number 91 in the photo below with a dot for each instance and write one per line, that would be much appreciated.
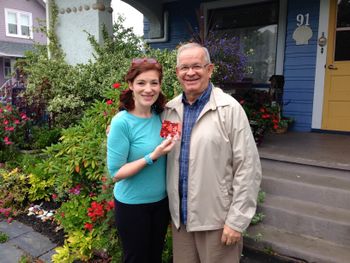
(303, 19)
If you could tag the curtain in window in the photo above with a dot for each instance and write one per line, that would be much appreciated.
(25, 25)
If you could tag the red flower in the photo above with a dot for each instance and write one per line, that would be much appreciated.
(9, 220)
(109, 102)
(275, 126)
(110, 205)
(88, 226)
(54, 196)
(116, 85)
(95, 211)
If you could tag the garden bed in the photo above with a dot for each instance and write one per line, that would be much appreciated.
(48, 228)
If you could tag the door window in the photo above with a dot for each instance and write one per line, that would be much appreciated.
(342, 39)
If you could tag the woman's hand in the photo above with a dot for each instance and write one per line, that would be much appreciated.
(166, 146)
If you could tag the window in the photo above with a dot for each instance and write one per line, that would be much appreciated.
(342, 41)
(8, 67)
(18, 23)
(256, 26)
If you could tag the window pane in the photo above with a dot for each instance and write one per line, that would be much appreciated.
(24, 20)
(12, 29)
(342, 44)
(256, 27)
(25, 30)
(7, 68)
(343, 16)
(11, 18)
(244, 16)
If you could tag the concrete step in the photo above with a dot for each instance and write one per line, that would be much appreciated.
(307, 218)
(326, 186)
(297, 246)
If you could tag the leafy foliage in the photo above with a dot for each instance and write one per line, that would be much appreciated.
(13, 192)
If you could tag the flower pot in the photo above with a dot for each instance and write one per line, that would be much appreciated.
(280, 130)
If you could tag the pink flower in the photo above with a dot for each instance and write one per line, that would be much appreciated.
(9, 220)
(116, 85)
(7, 141)
(109, 102)
(75, 190)
(54, 196)
(17, 121)
(24, 116)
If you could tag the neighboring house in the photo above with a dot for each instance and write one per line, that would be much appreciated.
(306, 41)
(18, 24)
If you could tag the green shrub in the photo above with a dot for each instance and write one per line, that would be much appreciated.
(13, 192)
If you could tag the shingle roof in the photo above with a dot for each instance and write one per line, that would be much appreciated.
(9, 49)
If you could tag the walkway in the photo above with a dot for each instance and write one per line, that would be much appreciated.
(23, 240)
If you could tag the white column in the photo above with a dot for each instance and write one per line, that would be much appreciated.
(76, 17)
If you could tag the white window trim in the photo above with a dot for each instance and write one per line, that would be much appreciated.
(19, 31)
(282, 22)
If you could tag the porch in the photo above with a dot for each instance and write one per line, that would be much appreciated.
(306, 177)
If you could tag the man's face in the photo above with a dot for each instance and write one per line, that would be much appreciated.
(193, 72)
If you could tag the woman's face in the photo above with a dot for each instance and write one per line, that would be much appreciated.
(146, 89)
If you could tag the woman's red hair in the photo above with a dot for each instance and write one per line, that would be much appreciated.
(126, 100)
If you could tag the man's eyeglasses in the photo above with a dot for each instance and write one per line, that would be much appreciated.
(195, 67)
(144, 60)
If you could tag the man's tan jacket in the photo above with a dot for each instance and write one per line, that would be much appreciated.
(224, 166)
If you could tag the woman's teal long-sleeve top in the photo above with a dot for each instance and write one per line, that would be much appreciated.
(130, 138)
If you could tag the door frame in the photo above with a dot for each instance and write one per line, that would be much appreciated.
(320, 72)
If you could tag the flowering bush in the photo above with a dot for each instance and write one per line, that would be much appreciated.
(11, 123)
(263, 115)
(225, 52)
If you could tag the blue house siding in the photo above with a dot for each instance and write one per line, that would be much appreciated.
(299, 65)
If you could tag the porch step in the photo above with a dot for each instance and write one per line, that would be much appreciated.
(307, 209)
(325, 186)
(307, 218)
(302, 247)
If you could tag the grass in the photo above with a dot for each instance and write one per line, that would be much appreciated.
(3, 237)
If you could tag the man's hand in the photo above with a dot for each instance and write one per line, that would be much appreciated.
(230, 236)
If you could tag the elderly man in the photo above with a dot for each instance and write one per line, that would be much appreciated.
(214, 174)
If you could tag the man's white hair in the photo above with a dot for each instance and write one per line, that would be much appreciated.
(189, 46)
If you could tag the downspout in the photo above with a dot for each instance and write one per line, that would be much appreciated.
(48, 13)
(165, 32)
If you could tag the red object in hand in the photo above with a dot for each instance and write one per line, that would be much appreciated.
(170, 129)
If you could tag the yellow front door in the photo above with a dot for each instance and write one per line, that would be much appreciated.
(336, 107)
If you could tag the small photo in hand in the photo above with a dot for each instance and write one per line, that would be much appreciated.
(170, 130)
